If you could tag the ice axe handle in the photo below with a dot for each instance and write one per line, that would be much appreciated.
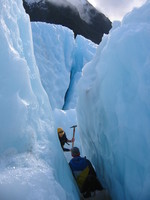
(73, 134)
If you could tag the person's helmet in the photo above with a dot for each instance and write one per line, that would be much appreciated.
(60, 130)
(75, 152)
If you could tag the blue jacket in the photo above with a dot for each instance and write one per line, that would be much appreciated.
(78, 163)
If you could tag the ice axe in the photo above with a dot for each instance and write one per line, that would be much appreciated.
(74, 126)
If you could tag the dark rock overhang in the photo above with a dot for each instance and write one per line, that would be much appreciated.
(92, 29)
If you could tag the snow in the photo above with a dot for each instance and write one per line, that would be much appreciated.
(104, 90)
(114, 99)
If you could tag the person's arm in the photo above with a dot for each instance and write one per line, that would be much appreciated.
(72, 140)
(71, 170)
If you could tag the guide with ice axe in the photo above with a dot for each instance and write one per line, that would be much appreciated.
(63, 139)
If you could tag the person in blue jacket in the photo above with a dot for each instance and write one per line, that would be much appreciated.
(84, 173)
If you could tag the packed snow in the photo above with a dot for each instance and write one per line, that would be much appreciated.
(104, 90)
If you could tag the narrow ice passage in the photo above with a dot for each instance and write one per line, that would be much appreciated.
(110, 105)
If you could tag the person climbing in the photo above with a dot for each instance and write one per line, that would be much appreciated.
(84, 173)
(63, 139)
